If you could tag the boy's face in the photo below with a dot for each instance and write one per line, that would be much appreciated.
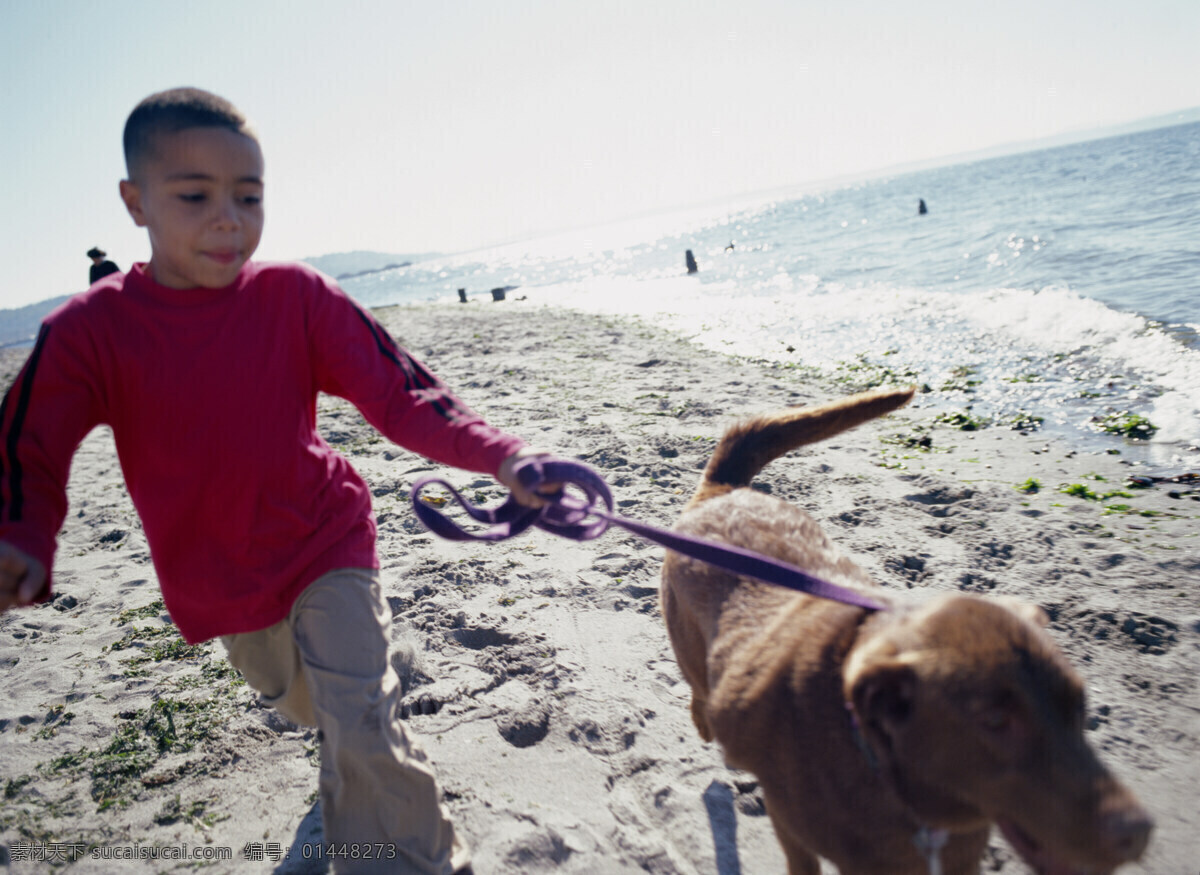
(200, 196)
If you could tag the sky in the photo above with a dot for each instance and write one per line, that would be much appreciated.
(413, 127)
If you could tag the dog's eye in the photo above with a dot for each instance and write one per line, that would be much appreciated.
(998, 714)
(996, 719)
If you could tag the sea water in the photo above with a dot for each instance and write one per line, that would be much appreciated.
(1060, 284)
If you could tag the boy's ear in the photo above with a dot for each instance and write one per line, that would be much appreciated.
(132, 196)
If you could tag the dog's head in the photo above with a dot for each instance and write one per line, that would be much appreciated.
(974, 715)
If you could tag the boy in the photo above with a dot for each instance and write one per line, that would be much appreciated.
(207, 367)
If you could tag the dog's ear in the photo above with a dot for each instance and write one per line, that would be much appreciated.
(882, 695)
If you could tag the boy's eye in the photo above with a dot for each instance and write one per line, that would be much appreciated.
(252, 200)
(192, 198)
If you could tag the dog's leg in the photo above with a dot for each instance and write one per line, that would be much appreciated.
(688, 643)
(700, 715)
(800, 860)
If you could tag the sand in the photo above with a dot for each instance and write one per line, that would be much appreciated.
(538, 674)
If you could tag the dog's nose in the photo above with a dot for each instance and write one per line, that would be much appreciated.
(1126, 833)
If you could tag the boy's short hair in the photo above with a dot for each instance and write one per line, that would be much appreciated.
(174, 110)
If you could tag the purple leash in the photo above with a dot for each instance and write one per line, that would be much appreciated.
(567, 516)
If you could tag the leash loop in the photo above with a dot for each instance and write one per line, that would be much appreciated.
(562, 515)
(567, 515)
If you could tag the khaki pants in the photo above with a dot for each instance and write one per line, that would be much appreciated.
(326, 665)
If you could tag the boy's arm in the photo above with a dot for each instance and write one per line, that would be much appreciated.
(356, 359)
(48, 410)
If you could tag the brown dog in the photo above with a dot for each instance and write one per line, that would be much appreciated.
(876, 734)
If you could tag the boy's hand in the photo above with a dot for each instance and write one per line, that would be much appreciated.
(22, 577)
(520, 493)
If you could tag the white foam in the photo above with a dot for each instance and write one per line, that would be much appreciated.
(1039, 351)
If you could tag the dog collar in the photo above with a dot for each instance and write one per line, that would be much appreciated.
(929, 842)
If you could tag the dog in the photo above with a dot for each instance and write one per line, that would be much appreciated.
(886, 741)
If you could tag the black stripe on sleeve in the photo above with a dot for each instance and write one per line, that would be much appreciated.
(16, 503)
(416, 376)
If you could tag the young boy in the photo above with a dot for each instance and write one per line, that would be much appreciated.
(207, 366)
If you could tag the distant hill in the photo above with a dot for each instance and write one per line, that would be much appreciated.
(344, 265)
(19, 327)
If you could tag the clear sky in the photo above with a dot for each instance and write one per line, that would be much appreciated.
(447, 125)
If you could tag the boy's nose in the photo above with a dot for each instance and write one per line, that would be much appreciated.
(227, 214)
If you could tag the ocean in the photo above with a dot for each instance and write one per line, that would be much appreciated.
(1059, 287)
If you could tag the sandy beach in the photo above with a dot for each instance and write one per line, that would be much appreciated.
(537, 672)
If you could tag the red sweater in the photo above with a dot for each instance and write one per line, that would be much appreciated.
(211, 396)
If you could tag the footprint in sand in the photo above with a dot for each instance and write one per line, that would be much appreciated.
(522, 717)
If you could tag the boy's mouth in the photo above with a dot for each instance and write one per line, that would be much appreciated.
(223, 256)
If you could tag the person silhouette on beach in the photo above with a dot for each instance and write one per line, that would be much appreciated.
(100, 268)
(921, 208)
(207, 367)
(690, 261)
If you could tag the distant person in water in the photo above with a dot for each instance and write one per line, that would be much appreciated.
(921, 208)
(100, 268)
(691, 262)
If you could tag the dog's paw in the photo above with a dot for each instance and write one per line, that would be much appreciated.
(419, 704)
(749, 799)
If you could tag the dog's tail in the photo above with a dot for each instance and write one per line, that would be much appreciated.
(749, 446)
